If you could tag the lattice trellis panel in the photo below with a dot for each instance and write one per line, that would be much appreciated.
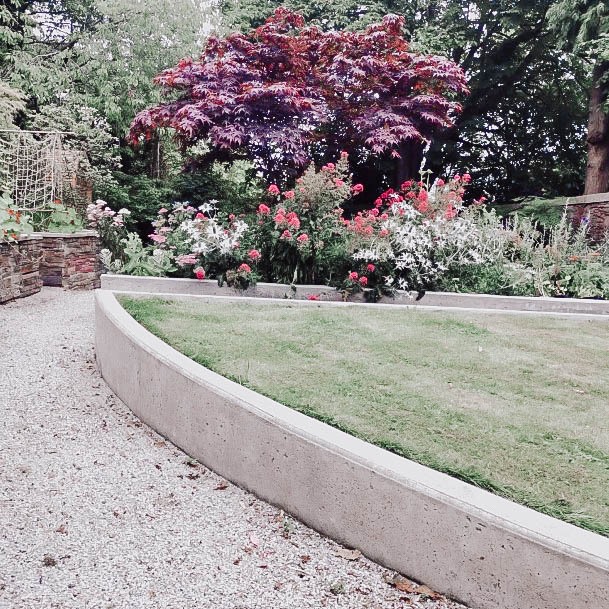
(32, 168)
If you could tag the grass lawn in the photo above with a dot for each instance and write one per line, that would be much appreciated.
(516, 405)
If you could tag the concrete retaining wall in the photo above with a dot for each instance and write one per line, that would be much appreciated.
(162, 285)
(469, 544)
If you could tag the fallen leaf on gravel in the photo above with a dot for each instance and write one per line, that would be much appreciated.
(193, 476)
(160, 444)
(221, 487)
(305, 558)
(428, 592)
(402, 584)
(254, 540)
(48, 561)
(191, 463)
(62, 528)
(348, 554)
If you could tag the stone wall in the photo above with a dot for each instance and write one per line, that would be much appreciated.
(593, 209)
(71, 261)
(20, 268)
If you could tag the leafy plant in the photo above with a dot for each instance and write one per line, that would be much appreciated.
(13, 223)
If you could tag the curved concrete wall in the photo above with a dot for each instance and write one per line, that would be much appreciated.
(469, 544)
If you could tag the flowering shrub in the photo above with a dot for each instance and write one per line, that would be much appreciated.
(201, 238)
(110, 225)
(300, 235)
(413, 236)
(13, 223)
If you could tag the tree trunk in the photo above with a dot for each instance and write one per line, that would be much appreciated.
(597, 171)
(409, 163)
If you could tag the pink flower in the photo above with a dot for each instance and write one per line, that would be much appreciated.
(254, 255)
(200, 273)
(279, 218)
(353, 276)
(331, 166)
(440, 183)
(245, 268)
(407, 184)
(199, 216)
(263, 209)
(231, 217)
(186, 259)
(313, 297)
(357, 188)
(383, 232)
(158, 238)
(338, 182)
(302, 238)
(450, 212)
(456, 177)
(286, 234)
(344, 154)
(378, 202)
(363, 281)
(162, 210)
(289, 194)
(274, 189)
(371, 268)
(293, 220)
(384, 217)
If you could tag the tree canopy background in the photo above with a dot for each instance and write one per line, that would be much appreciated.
(538, 74)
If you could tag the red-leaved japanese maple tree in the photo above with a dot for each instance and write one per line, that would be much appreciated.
(284, 90)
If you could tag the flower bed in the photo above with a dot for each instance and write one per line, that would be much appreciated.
(20, 268)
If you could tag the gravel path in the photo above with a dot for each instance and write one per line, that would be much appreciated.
(97, 511)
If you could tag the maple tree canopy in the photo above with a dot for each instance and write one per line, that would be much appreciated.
(283, 88)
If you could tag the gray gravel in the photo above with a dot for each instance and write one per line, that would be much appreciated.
(98, 511)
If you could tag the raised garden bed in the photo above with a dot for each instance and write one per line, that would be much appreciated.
(70, 260)
(20, 268)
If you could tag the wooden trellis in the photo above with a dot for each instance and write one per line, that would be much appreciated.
(35, 169)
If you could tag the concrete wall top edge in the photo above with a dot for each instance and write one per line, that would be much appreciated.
(520, 520)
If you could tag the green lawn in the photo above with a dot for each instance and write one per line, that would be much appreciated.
(517, 405)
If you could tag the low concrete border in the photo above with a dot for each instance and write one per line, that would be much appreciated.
(469, 544)
(163, 285)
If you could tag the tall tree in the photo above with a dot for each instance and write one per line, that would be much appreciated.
(583, 27)
(284, 89)
(521, 129)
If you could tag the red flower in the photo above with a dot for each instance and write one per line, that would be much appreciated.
(406, 185)
(363, 281)
(353, 276)
(200, 216)
(199, 273)
(313, 297)
(357, 188)
(378, 202)
(371, 268)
